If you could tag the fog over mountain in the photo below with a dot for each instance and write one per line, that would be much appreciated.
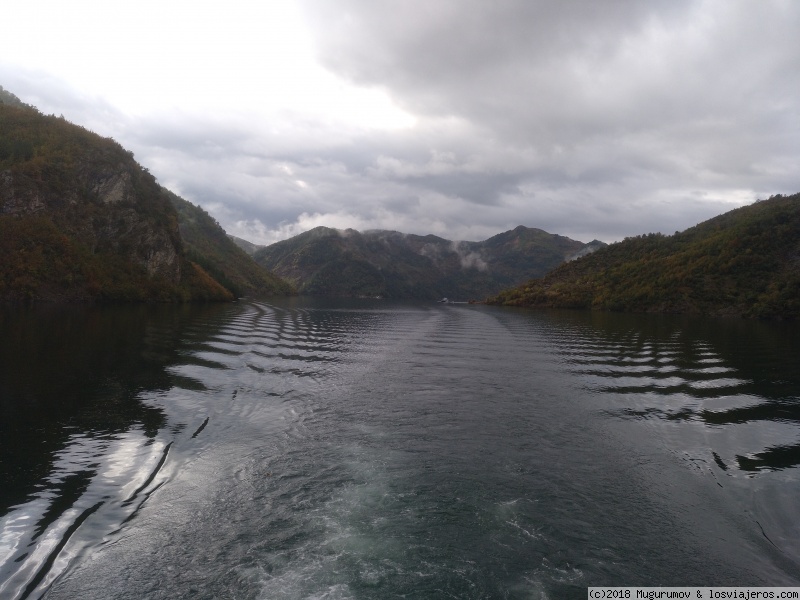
(458, 118)
(391, 264)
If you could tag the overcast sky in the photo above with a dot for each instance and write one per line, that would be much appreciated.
(462, 118)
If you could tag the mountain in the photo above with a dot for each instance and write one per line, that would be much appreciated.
(743, 263)
(81, 220)
(207, 244)
(389, 264)
(249, 247)
(10, 99)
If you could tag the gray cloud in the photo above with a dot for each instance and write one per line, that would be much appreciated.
(667, 109)
(588, 119)
(565, 71)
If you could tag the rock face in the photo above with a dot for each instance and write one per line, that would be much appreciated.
(80, 217)
(116, 188)
(80, 220)
(101, 204)
(24, 201)
(149, 238)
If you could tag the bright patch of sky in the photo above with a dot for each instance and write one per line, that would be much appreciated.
(155, 56)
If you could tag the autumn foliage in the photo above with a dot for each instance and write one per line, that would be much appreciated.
(743, 263)
(81, 220)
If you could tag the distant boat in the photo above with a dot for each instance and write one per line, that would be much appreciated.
(444, 301)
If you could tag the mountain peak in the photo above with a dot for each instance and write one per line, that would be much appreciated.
(392, 264)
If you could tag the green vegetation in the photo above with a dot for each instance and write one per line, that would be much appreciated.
(7, 97)
(80, 220)
(49, 266)
(743, 263)
(207, 244)
(389, 264)
(249, 247)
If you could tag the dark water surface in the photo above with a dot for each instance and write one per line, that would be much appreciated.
(327, 450)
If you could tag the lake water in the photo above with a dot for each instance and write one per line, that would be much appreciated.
(367, 449)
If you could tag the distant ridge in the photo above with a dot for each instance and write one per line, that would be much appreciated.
(249, 247)
(390, 264)
(745, 263)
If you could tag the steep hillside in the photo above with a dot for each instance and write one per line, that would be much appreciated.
(249, 247)
(743, 263)
(207, 244)
(390, 264)
(81, 220)
(10, 99)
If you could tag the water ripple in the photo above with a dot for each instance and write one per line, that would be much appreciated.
(294, 449)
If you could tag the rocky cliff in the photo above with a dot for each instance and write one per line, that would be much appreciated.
(98, 198)
(80, 219)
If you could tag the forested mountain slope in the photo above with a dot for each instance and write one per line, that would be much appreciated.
(207, 244)
(390, 264)
(743, 263)
(81, 220)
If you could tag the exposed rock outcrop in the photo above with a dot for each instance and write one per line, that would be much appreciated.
(99, 225)
(105, 213)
